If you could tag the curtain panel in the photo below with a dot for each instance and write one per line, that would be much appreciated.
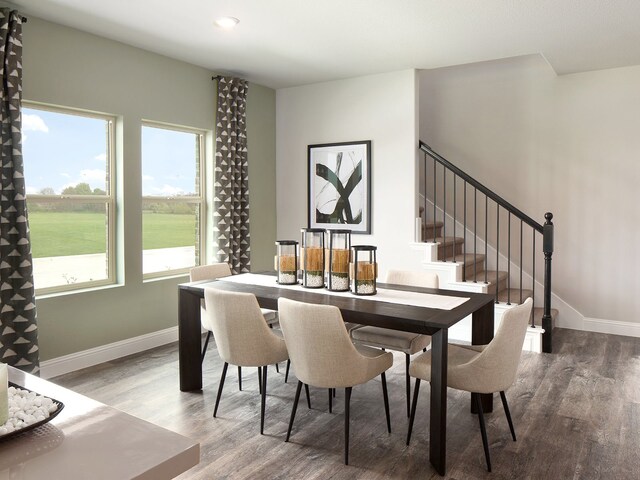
(231, 182)
(18, 327)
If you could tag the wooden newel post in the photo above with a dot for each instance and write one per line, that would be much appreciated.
(547, 248)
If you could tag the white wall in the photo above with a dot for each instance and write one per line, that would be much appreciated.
(565, 144)
(380, 108)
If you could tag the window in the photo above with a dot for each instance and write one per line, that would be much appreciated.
(68, 161)
(172, 204)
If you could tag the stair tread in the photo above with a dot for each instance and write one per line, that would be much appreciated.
(433, 224)
(466, 259)
(515, 295)
(448, 240)
(492, 277)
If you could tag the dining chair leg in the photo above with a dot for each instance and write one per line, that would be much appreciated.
(286, 375)
(306, 390)
(416, 391)
(204, 349)
(506, 411)
(263, 397)
(386, 401)
(483, 431)
(407, 362)
(293, 410)
(330, 399)
(260, 380)
(224, 374)
(277, 368)
(347, 401)
(334, 392)
(239, 378)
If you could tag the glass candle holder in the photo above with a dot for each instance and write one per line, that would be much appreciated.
(287, 262)
(338, 256)
(312, 257)
(364, 270)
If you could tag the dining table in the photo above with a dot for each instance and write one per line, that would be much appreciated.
(412, 309)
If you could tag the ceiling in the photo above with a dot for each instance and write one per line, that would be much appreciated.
(282, 43)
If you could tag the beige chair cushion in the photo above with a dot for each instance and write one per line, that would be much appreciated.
(406, 342)
(241, 334)
(321, 352)
(494, 367)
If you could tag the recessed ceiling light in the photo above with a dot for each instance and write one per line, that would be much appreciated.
(227, 22)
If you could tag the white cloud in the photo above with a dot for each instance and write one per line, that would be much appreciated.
(101, 158)
(32, 190)
(168, 191)
(89, 175)
(65, 175)
(147, 178)
(33, 123)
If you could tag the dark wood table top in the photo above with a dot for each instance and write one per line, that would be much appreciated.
(409, 318)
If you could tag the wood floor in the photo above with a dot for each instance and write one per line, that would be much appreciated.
(576, 414)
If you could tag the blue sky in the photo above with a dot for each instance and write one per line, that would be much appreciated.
(63, 150)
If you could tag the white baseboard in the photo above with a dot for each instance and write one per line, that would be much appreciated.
(104, 353)
(613, 327)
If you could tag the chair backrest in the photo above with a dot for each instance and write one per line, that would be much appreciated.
(319, 347)
(241, 334)
(209, 272)
(411, 278)
(496, 367)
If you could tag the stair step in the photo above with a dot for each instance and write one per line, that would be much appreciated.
(537, 317)
(468, 261)
(515, 295)
(449, 246)
(497, 280)
(428, 231)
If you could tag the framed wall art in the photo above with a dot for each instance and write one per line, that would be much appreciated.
(339, 186)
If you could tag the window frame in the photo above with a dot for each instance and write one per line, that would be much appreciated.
(109, 200)
(199, 200)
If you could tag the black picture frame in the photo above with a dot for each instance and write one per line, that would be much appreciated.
(339, 186)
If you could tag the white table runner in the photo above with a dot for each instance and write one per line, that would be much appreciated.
(428, 300)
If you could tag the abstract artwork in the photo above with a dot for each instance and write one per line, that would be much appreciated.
(340, 185)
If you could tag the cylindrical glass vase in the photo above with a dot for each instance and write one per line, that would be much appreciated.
(338, 257)
(312, 257)
(287, 262)
(364, 270)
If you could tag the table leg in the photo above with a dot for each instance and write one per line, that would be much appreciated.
(438, 417)
(482, 334)
(189, 340)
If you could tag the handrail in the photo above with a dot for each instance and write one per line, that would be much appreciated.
(489, 193)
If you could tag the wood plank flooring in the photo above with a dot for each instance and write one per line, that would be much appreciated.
(576, 414)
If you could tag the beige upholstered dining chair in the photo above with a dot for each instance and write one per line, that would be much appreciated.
(405, 342)
(242, 337)
(211, 272)
(481, 368)
(323, 356)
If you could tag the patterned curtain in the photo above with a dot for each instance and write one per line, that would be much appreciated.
(231, 187)
(18, 328)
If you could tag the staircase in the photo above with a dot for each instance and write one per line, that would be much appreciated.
(457, 215)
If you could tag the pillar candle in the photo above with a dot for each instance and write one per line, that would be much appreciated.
(4, 394)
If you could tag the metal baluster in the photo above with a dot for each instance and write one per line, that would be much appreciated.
(486, 236)
(454, 209)
(424, 239)
(533, 278)
(475, 233)
(520, 261)
(509, 261)
(434, 200)
(444, 210)
(464, 234)
(497, 243)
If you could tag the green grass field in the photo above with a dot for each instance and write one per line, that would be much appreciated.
(56, 234)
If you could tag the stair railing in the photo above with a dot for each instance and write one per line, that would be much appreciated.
(545, 230)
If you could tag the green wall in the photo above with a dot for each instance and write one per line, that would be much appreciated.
(67, 67)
